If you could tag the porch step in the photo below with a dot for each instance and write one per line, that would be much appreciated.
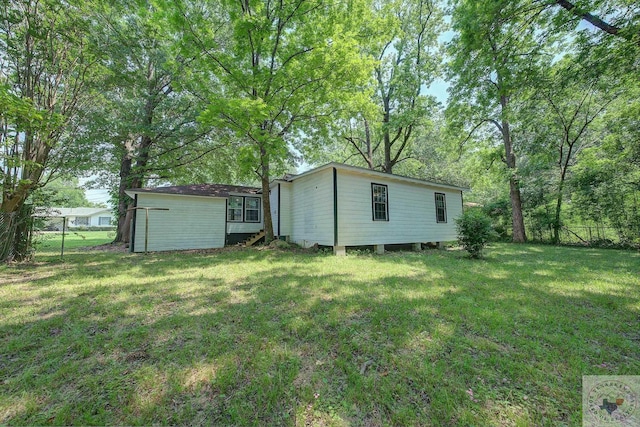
(254, 239)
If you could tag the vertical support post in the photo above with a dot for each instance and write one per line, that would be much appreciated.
(335, 207)
(379, 249)
(64, 229)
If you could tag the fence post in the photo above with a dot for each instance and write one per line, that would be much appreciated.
(64, 229)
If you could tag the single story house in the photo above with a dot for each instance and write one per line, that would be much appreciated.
(334, 205)
(76, 217)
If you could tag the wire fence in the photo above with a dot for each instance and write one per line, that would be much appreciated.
(582, 235)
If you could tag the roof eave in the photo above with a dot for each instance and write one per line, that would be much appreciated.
(364, 171)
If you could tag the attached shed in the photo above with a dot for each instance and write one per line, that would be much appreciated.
(339, 205)
(196, 216)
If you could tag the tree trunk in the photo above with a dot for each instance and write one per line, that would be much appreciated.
(367, 137)
(266, 202)
(124, 201)
(517, 219)
(386, 118)
(15, 233)
(556, 218)
(266, 206)
(130, 176)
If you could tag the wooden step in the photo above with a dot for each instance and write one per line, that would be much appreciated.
(253, 239)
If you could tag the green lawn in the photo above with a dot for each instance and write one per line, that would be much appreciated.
(267, 337)
(51, 242)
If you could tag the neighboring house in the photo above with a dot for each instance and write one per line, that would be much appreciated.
(334, 205)
(77, 217)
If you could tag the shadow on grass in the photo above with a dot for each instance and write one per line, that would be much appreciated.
(270, 338)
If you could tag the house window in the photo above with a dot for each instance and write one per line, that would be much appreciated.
(234, 212)
(441, 208)
(104, 220)
(380, 203)
(81, 221)
(252, 209)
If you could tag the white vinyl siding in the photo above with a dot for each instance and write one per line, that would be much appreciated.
(273, 203)
(190, 223)
(412, 212)
(283, 213)
(312, 209)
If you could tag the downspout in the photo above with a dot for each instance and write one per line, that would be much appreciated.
(279, 190)
(132, 239)
(226, 216)
(335, 207)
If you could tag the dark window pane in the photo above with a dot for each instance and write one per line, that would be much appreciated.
(251, 216)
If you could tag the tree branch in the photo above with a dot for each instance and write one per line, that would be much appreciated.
(594, 20)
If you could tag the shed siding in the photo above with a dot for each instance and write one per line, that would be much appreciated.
(412, 213)
(312, 209)
(190, 223)
(285, 209)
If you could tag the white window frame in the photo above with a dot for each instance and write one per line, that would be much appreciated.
(248, 209)
(441, 206)
(384, 203)
(241, 209)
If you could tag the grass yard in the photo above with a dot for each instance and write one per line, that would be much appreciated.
(267, 337)
(50, 242)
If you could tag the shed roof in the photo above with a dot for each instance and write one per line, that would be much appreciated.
(206, 190)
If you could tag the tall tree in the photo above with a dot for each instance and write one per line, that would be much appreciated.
(491, 55)
(560, 114)
(45, 62)
(64, 191)
(408, 61)
(281, 68)
(379, 132)
(148, 114)
(605, 186)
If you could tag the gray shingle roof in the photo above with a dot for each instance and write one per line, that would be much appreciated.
(210, 190)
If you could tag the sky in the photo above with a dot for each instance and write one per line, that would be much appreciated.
(98, 195)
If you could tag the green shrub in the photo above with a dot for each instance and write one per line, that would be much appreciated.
(474, 231)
